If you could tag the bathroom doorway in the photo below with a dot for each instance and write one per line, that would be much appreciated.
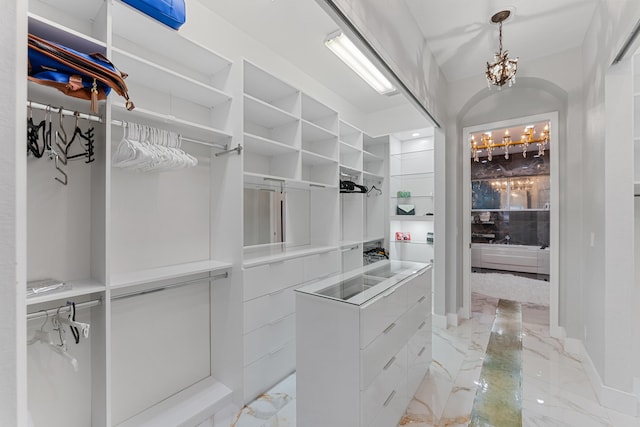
(510, 203)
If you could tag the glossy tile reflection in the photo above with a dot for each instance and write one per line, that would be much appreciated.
(498, 400)
(555, 387)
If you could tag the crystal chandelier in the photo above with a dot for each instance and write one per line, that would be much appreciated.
(502, 70)
(528, 136)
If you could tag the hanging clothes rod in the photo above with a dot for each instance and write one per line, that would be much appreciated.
(62, 309)
(225, 148)
(65, 112)
(95, 118)
(172, 286)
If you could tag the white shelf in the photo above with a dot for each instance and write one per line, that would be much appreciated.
(142, 30)
(263, 86)
(372, 176)
(411, 242)
(163, 121)
(77, 288)
(124, 280)
(266, 147)
(260, 178)
(311, 132)
(350, 135)
(411, 152)
(370, 157)
(311, 158)
(412, 197)
(352, 172)
(510, 210)
(319, 114)
(264, 114)
(411, 217)
(275, 253)
(149, 74)
(348, 150)
(344, 243)
(401, 175)
(65, 36)
(187, 407)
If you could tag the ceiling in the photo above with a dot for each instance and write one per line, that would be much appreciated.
(297, 29)
(458, 32)
(462, 38)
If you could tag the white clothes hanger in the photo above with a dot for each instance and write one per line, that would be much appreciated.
(40, 335)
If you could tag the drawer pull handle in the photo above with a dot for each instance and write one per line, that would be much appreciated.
(274, 352)
(389, 363)
(388, 294)
(422, 298)
(279, 291)
(422, 325)
(421, 351)
(389, 328)
(276, 321)
(352, 248)
(386, 402)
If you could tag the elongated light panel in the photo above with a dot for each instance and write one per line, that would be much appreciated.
(360, 64)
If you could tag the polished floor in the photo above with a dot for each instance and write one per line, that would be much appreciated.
(555, 387)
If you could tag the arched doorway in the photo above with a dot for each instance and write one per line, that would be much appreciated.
(492, 110)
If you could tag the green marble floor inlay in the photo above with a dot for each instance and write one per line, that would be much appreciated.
(498, 401)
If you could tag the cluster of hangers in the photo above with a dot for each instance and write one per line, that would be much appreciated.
(59, 323)
(57, 145)
(352, 187)
(144, 148)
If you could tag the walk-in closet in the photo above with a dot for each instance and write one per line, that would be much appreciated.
(165, 242)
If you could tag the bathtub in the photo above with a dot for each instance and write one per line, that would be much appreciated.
(522, 258)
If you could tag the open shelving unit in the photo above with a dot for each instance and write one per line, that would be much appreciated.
(411, 190)
(171, 214)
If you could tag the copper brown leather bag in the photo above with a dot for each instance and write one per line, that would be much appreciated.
(77, 74)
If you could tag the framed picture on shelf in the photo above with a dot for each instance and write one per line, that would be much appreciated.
(403, 235)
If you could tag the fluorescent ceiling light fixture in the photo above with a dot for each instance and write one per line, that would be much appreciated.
(344, 48)
(415, 134)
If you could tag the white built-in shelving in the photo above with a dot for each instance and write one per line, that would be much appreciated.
(411, 197)
(111, 233)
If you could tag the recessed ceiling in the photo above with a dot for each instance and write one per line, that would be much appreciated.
(462, 38)
(297, 29)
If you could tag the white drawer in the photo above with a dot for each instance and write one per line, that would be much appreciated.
(421, 338)
(264, 373)
(377, 355)
(269, 338)
(418, 287)
(268, 278)
(269, 308)
(386, 382)
(378, 314)
(393, 407)
(320, 265)
(418, 367)
(416, 315)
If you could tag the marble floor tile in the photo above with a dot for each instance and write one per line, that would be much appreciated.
(555, 389)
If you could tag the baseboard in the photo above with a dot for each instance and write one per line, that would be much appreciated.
(558, 332)
(439, 321)
(453, 319)
(608, 397)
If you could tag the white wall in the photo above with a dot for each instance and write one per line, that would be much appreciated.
(606, 285)
(13, 39)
